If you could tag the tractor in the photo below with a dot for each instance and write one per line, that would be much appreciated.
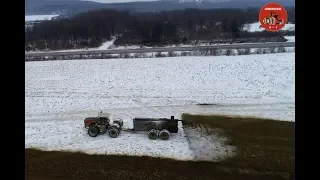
(102, 124)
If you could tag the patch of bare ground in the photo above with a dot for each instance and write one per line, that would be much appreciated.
(262, 145)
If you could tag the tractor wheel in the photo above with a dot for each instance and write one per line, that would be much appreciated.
(153, 134)
(164, 134)
(113, 132)
(93, 131)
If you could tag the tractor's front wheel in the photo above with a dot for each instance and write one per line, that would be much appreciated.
(93, 131)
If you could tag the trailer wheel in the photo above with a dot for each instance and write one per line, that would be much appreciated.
(113, 132)
(164, 134)
(93, 131)
(152, 134)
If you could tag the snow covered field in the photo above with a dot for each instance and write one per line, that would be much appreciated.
(290, 38)
(60, 94)
(255, 27)
(39, 17)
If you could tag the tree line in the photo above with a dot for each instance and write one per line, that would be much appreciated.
(92, 28)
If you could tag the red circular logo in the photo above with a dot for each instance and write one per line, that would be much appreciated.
(273, 17)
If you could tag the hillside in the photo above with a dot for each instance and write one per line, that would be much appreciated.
(91, 29)
(76, 6)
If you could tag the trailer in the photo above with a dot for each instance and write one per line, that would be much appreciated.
(156, 127)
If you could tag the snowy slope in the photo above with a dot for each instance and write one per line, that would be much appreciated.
(255, 27)
(290, 38)
(106, 45)
(60, 94)
(39, 17)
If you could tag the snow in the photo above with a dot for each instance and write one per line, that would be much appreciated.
(110, 45)
(188, 1)
(289, 27)
(39, 17)
(168, 46)
(207, 147)
(106, 44)
(69, 135)
(255, 27)
(60, 94)
(290, 38)
(126, 47)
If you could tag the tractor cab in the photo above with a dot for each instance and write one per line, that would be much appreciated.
(103, 118)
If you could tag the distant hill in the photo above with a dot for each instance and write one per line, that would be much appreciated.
(75, 6)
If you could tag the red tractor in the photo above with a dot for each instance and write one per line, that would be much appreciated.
(102, 124)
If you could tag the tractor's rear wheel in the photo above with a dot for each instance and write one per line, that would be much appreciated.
(93, 131)
(153, 134)
(113, 132)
